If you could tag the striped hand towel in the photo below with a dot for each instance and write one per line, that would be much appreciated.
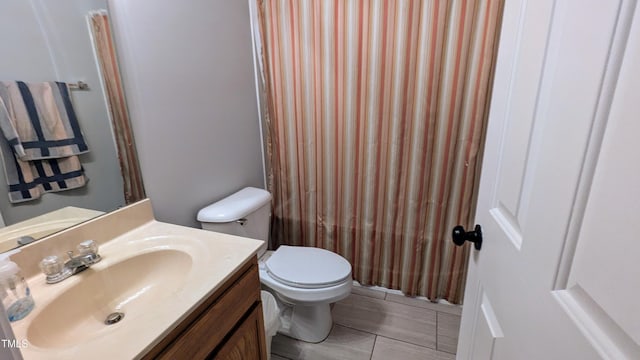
(39, 120)
(28, 180)
(42, 138)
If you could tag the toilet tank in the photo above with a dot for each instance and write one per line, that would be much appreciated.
(244, 213)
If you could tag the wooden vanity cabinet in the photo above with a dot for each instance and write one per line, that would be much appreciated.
(228, 325)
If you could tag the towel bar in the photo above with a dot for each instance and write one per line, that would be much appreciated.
(80, 85)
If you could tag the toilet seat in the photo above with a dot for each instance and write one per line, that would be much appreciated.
(307, 267)
(304, 296)
(318, 289)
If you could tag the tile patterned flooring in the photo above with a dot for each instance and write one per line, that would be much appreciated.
(376, 325)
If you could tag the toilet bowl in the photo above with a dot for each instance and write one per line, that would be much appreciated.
(303, 280)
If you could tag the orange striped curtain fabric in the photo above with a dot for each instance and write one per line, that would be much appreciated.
(375, 122)
(110, 71)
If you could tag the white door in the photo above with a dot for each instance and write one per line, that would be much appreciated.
(558, 275)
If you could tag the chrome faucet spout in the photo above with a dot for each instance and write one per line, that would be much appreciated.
(76, 263)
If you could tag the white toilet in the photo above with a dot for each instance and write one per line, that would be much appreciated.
(304, 280)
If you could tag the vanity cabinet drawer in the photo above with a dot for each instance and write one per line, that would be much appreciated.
(221, 318)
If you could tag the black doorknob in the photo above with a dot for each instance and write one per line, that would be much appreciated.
(459, 236)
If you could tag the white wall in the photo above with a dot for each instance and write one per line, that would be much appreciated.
(49, 40)
(189, 79)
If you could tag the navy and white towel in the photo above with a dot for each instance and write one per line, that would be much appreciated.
(43, 139)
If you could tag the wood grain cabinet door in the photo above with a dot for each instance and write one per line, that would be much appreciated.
(247, 342)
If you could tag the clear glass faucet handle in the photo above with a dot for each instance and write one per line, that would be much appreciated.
(51, 265)
(88, 247)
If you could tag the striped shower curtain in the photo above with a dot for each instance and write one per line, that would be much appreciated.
(375, 114)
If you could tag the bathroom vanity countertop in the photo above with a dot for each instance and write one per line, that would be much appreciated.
(45, 224)
(155, 292)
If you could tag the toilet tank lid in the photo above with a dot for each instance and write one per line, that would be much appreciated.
(235, 206)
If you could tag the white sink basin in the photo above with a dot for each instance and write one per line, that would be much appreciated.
(129, 286)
